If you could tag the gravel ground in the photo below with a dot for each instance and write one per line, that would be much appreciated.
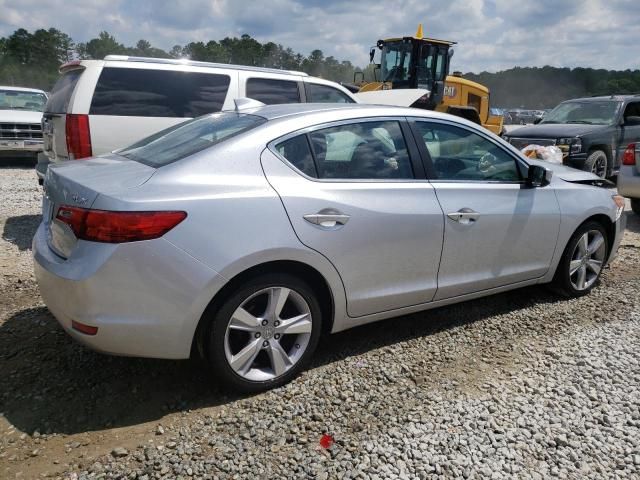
(519, 385)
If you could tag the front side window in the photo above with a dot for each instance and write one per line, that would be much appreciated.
(324, 94)
(365, 150)
(270, 91)
(137, 92)
(187, 138)
(396, 62)
(462, 155)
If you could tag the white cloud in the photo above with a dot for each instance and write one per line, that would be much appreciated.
(491, 34)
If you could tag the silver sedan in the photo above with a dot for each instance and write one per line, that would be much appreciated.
(242, 236)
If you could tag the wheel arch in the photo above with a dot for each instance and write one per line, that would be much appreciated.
(304, 271)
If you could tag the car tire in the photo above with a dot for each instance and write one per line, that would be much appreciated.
(580, 268)
(635, 205)
(597, 163)
(268, 340)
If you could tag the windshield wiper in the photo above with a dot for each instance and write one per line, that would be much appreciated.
(580, 121)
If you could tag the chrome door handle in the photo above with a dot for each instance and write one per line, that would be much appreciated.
(464, 216)
(327, 218)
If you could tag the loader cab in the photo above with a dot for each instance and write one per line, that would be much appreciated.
(411, 62)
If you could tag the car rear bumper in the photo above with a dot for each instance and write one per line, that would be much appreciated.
(629, 181)
(146, 298)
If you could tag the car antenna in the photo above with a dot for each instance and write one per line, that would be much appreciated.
(246, 104)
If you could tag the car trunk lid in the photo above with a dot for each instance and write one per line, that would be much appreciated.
(79, 184)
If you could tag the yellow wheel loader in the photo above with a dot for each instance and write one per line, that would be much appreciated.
(414, 72)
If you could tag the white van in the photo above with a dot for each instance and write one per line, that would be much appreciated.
(98, 106)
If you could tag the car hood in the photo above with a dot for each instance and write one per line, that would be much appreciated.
(20, 116)
(563, 172)
(553, 130)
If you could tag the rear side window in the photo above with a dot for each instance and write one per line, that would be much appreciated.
(270, 91)
(136, 92)
(187, 138)
(363, 150)
(298, 152)
(325, 94)
(61, 93)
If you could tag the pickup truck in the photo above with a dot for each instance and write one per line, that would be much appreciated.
(592, 133)
(21, 122)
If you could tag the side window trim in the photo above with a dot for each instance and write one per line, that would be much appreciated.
(419, 175)
(428, 162)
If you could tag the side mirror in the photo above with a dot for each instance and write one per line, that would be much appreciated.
(537, 120)
(538, 176)
(450, 53)
(372, 53)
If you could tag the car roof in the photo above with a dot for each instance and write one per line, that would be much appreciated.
(194, 63)
(21, 89)
(274, 112)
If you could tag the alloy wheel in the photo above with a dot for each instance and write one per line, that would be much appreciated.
(587, 260)
(600, 166)
(268, 334)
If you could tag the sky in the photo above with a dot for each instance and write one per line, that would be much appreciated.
(492, 35)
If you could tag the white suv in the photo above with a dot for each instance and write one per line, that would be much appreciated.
(98, 106)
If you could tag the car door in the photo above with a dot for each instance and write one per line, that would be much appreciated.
(498, 231)
(356, 193)
(630, 128)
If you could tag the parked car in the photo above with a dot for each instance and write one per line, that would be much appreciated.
(20, 121)
(629, 178)
(98, 106)
(244, 235)
(591, 132)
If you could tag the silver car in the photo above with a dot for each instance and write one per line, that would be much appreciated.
(629, 177)
(242, 236)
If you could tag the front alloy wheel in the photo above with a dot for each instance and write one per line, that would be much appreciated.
(587, 260)
(262, 335)
(582, 260)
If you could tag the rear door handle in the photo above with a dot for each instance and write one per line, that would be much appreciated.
(464, 216)
(327, 218)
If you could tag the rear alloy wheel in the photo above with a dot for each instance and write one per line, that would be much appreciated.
(597, 163)
(582, 261)
(263, 335)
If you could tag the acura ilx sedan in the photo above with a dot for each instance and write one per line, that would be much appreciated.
(242, 236)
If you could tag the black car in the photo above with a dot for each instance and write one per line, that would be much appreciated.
(592, 133)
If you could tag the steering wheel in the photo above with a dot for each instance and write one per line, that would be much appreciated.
(487, 163)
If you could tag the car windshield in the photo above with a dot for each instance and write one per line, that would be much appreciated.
(187, 138)
(396, 60)
(21, 100)
(589, 112)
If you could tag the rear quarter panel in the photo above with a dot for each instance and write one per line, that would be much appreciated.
(235, 219)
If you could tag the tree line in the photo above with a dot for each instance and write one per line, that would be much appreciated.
(545, 87)
(32, 60)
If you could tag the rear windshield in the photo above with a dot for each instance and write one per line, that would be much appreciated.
(192, 136)
(62, 91)
(137, 92)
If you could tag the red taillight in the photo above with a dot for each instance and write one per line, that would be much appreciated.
(82, 328)
(629, 156)
(78, 136)
(118, 227)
